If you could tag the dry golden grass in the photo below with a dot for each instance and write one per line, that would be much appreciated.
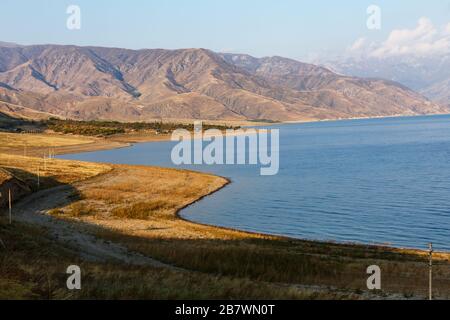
(32, 267)
(143, 210)
(40, 172)
(43, 144)
(133, 192)
(10, 141)
(50, 171)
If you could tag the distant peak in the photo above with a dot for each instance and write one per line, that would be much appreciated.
(9, 44)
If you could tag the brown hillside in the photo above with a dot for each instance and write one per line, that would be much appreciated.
(141, 85)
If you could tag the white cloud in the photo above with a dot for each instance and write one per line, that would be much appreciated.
(358, 44)
(423, 40)
(447, 29)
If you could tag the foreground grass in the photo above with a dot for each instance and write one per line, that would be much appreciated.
(33, 266)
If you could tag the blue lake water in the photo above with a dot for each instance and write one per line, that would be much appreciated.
(378, 181)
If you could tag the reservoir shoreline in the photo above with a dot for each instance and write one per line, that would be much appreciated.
(179, 215)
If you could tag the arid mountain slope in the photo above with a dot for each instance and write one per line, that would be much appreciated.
(347, 95)
(142, 85)
(428, 75)
(440, 92)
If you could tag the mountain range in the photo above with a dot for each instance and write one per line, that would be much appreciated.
(428, 75)
(89, 83)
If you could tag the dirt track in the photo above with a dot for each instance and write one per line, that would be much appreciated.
(33, 210)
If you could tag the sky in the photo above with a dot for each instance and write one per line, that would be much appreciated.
(299, 29)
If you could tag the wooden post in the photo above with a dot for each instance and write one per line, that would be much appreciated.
(431, 271)
(38, 177)
(7, 144)
(10, 206)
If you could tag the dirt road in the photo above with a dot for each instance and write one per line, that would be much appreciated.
(33, 210)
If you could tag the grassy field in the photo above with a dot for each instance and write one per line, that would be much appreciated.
(19, 143)
(33, 266)
(137, 207)
(50, 171)
(14, 140)
(25, 174)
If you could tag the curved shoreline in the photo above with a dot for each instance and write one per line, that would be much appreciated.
(127, 140)
(178, 215)
(288, 238)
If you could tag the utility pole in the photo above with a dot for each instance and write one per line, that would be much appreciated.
(38, 178)
(10, 206)
(431, 271)
(8, 156)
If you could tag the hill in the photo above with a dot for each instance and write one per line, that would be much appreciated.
(93, 83)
